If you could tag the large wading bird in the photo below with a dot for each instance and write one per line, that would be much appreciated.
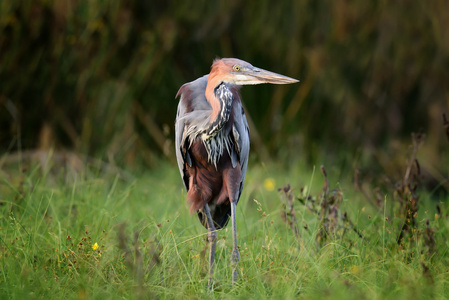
(212, 145)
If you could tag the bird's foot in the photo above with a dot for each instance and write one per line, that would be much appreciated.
(235, 257)
(210, 284)
(212, 238)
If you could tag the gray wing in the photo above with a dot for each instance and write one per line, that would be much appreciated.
(181, 154)
(192, 98)
(240, 132)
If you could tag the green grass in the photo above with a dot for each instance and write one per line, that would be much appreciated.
(150, 247)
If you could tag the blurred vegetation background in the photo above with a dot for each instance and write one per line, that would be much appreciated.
(98, 78)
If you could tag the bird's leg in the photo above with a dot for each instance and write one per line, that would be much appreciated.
(212, 238)
(235, 257)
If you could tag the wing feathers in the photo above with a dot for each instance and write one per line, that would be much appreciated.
(194, 108)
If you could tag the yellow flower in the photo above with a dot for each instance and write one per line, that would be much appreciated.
(95, 246)
(354, 269)
(269, 184)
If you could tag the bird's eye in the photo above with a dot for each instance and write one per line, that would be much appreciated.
(236, 68)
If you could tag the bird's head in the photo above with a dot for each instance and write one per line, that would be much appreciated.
(239, 72)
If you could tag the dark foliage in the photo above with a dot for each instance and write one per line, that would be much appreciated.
(99, 77)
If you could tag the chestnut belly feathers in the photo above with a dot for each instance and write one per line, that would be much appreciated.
(212, 184)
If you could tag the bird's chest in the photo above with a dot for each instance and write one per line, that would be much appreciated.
(216, 144)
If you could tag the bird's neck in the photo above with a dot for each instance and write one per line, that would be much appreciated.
(220, 98)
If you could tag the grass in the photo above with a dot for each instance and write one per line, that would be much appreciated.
(150, 247)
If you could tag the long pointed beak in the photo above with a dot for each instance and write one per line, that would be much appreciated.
(256, 76)
(270, 77)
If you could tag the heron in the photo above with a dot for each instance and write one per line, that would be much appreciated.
(212, 145)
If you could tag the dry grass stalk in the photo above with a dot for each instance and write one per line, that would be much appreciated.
(406, 191)
(288, 213)
(332, 222)
(446, 126)
(134, 259)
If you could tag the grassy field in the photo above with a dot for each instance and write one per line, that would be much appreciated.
(101, 235)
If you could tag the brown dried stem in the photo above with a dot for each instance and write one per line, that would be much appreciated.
(446, 126)
(288, 214)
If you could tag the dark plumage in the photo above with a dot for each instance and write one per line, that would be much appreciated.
(211, 181)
